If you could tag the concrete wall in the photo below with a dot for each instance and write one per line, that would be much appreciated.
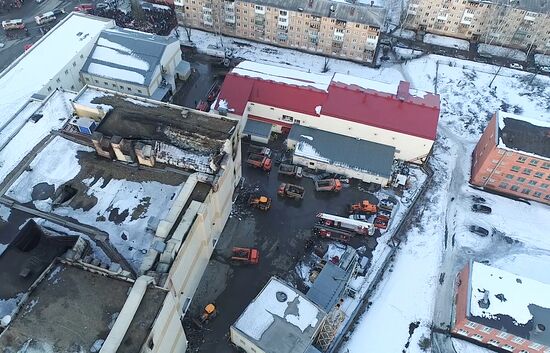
(119, 86)
(408, 148)
(167, 333)
(243, 342)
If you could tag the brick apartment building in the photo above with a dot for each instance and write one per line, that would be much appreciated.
(521, 24)
(513, 157)
(348, 31)
(501, 310)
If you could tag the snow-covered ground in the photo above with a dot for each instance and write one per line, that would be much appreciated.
(496, 50)
(448, 42)
(121, 208)
(543, 60)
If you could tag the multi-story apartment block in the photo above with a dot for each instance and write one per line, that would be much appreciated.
(501, 310)
(521, 24)
(513, 157)
(321, 26)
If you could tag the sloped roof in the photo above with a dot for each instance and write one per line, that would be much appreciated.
(394, 107)
(127, 55)
(374, 158)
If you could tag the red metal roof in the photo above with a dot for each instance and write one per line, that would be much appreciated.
(384, 110)
(403, 112)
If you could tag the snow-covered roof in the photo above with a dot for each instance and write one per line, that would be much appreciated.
(280, 319)
(501, 299)
(126, 55)
(34, 69)
(523, 134)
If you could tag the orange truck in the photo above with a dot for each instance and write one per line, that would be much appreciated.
(247, 256)
(363, 207)
(328, 185)
(259, 161)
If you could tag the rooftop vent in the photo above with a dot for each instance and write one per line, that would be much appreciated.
(484, 303)
(281, 296)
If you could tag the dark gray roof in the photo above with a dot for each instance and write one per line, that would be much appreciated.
(145, 46)
(257, 128)
(357, 154)
(540, 6)
(358, 13)
(328, 287)
(525, 136)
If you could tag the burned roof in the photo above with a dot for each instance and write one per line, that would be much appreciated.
(72, 308)
(523, 134)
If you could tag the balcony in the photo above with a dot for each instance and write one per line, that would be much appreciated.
(467, 19)
(442, 16)
(340, 24)
(207, 20)
(282, 36)
(229, 18)
(412, 9)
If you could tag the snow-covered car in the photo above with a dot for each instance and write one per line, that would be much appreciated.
(516, 66)
(544, 68)
(479, 231)
(476, 207)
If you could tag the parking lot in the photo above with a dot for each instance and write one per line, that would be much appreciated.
(280, 234)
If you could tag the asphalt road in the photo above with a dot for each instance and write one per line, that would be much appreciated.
(14, 41)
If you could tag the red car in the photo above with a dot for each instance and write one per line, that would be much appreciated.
(203, 106)
(84, 8)
(27, 46)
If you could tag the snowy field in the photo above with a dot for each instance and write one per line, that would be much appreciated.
(405, 300)
(121, 208)
(448, 42)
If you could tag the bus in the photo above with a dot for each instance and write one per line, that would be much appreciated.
(13, 24)
(45, 18)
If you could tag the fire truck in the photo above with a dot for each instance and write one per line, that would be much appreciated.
(355, 226)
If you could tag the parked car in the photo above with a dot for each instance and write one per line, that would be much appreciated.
(476, 207)
(516, 66)
(478, 199)
(58, 12)
(544, 68)
(479, 231)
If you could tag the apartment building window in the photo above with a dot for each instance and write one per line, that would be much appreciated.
(509, 176)
(462, 332)
(537, 194)
(471, 325)
(283, 13)
(503, 185)
(532, 182)
(518, 340)
(539, 174)
(477, 337)
(503, 335)
(545, 165)
(533, 162)
(527, 171)
(515, 168)
(522, 159)
(514, 188)
(547, 197)
(58, 80)
(494, 342)
(521, 180)
(486, 329)
(287, 118)
(525, 191)
(508, 347)
(544, 186)
(114, 85)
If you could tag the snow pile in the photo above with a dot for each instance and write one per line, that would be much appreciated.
(165, 153)
(406, 54)
(140, 102)
(306, 150)
(542, 60)
(283, 75)
(42, 169)
(8, 306)
(108, 44)
(448, 42)
(405, 33)
(4, 214)
(508, 294)
(495, 50)
(258, 316)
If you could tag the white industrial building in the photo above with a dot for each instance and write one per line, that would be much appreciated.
(136, 63)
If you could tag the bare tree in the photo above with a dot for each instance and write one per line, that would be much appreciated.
(326, 65)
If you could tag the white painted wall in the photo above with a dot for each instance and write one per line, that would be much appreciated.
(408, 148)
